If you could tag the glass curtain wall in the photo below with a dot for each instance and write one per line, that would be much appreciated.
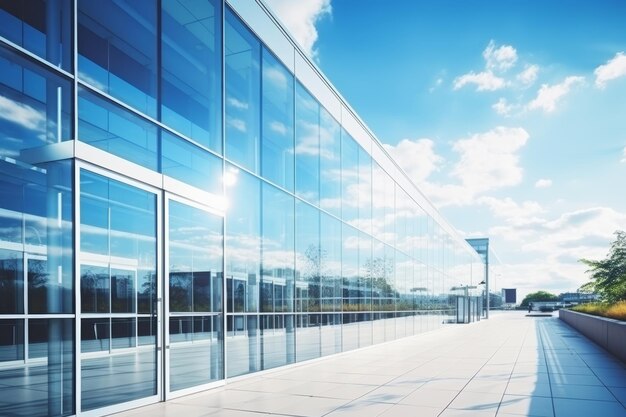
(319, 250)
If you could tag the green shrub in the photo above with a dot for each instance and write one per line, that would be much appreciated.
(613, 311)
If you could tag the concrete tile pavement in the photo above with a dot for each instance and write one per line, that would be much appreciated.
(510, 365)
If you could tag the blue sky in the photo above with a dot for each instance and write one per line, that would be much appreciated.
(510, 115)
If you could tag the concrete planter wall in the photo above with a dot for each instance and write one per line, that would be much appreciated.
(608, 333)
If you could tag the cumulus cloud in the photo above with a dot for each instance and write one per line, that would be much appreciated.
(614, 68)
(300, 18)
(510, 210)
(529, 75)
(502, 107)
(489, 160)
(499, 58)
(549, 95)
(484, 81)
(543, 183)
(416, 157)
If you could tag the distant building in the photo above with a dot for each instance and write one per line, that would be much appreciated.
(578, 297)
(509, 295)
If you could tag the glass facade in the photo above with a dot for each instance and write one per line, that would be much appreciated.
(181, 204)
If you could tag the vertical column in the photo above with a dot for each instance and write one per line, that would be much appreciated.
(54, 290)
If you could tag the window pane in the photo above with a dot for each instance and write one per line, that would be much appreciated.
(117, 50)
(330, 257)
(307, 146)
(243, 241)
(309, 259)
(109, 127)
(349, 179)
(277, 275)
(11, 282)
(188, 163)
(277, 123)
(35, 105)
(278, 341)
(195, 259)
(330, 163)
(46, 385)
(41, 27)
(308, 342)
(191, 80)
(94, 289)
(243, 94)
(365, 191)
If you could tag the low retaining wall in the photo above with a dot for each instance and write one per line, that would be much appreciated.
(608, 333)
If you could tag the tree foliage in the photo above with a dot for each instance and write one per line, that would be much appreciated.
(538, 296)
(608, 276)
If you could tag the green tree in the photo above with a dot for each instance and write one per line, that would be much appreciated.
(608, 275)
(538, 296)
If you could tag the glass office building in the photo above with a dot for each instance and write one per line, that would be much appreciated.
(184, 199)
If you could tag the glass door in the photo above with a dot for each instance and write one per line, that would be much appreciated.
(119, 293)
(194, 341)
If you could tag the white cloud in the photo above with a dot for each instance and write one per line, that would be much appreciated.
(543, 183)
(416, 157)
(508, 209)
(501, 58)
(237, 124)
(278, 127)
(502, 107)
(549, 95)
(484, 81)
(613, 69)
(623, 161)
(489, 160)
(300, 18)
(237, 104)
(22, 114)
(529, 75)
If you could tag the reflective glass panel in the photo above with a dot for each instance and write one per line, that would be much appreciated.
(41, 27)
(365, 191)
(330, 263)
(349, 179)
(117, 50)
(330, 163)
(243, 243)
(188, 163)
(308, 340)
(243, 93)
(35, 105)
(277, 122)
(109, 127)
(11, 282)
(307, 146)
(46, 386)
(309, 258)
(278, 341)
(191, 69)
(195, 287)
(277, 262)
(36, 217)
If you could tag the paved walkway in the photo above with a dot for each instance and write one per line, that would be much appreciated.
(510, 365)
